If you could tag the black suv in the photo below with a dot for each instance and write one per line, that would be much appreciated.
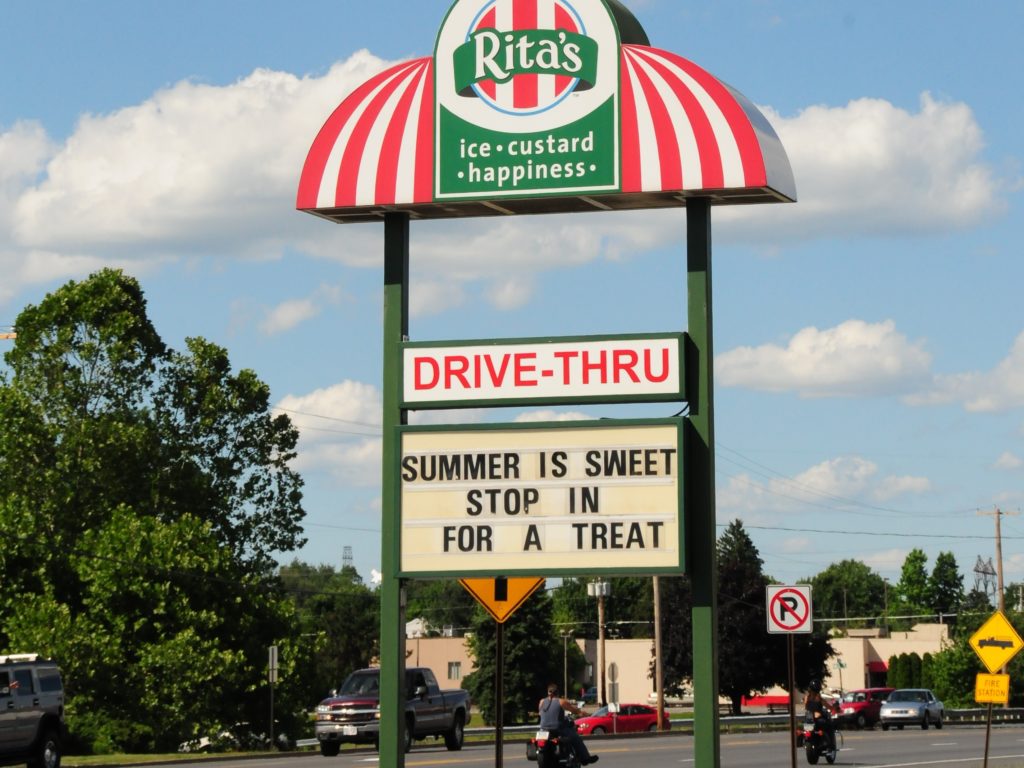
(31, 711)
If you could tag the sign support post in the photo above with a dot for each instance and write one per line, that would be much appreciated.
(392, 608)
(699, 485)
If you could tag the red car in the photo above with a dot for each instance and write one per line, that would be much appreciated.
(631, 718)
(860, 708)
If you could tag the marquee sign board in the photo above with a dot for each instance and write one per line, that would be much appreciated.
(451, 374)
(522, 499)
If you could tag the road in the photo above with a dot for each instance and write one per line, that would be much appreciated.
(952, 747)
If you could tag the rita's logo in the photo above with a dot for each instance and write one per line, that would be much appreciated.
(522, 57)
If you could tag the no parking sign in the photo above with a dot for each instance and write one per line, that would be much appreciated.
(789, 608)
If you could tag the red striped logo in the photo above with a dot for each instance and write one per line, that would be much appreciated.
(525, 93)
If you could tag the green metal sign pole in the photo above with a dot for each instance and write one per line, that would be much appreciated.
(700, 484)
(392, 608)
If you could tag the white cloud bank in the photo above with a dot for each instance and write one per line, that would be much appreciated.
(861, 359)
(208, 170)
(855, 358)
(851, 484)
(1000, 389)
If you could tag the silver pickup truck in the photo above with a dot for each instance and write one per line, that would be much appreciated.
(351, 715)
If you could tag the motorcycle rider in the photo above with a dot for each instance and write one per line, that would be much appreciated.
(816, 709)
(552, 718)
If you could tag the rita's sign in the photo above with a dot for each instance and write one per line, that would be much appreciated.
(526, 100)
(540, 106)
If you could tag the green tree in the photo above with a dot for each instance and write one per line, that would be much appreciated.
(848, 589)
(975, 603)
(912, 590)
(441, 602)
(945, 585)
(927, 678)
(532, 654)
(117, 458)
(953, 673)
(894, 672)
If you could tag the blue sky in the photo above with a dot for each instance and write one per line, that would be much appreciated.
(869, 340)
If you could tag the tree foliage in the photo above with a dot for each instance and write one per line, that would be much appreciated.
(945, 585)
(442, 603)
(848, 590)
(145, 490)
(628, 608)
(913, 596)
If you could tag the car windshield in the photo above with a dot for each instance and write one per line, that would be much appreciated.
(906, 696)
(602, 712)
(360, 683)
(853, 696)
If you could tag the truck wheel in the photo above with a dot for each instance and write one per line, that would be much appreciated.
(330, 748)
(47, 751)
(453, 739)
(407, 736)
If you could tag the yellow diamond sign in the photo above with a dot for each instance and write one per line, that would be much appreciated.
(996, 642)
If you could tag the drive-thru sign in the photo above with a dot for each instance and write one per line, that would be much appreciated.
(789, 609)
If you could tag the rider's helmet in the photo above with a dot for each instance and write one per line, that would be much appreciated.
(815, 685)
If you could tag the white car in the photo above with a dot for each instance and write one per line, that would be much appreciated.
(913, 706)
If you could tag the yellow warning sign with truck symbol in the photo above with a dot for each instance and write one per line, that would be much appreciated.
(996, 642)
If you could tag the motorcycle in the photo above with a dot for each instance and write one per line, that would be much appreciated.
(550, 751)
(819, 740)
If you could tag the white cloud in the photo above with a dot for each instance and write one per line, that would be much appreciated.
(211, 170)
(895, 486)
(1009, 461)
(855, 358)
(850, 484)
(294, 312)
(1000, 389)
(885, 561)
(339, 430)
(871, 168)
(349, 404)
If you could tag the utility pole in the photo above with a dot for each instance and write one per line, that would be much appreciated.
(659, 688)
(998, 514)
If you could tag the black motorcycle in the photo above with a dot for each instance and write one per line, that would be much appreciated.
(550, 751)
(819, 740)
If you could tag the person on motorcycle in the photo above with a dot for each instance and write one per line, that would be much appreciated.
(552, 718)
(816, 709)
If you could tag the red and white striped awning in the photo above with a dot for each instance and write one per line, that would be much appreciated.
(684, 133)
